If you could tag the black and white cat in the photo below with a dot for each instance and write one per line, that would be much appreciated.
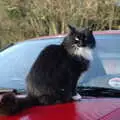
(54, 75)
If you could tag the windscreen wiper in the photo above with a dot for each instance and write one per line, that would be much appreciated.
(98, 92)
(7, 90)
(83, 91)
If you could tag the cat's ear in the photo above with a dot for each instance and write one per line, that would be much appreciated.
(72, 28)
(91, 28)
(88, 30)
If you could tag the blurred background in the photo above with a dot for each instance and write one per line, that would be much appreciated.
(24, 19)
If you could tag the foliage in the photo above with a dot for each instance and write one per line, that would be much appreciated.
(23, 19)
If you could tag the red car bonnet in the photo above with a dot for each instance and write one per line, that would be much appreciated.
(86, 109)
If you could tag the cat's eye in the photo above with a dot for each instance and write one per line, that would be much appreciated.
(77, 39)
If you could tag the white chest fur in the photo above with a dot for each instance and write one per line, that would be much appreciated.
(85, 52)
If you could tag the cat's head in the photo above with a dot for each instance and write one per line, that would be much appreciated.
(81, 37)
(79, 41)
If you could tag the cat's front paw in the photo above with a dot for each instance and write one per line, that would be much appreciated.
(8, 104)
(77, 97)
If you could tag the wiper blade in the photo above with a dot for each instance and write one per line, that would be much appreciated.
(98, 92)
(6, 90)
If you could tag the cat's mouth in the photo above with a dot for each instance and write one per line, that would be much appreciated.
(80, 44)
(77, 46)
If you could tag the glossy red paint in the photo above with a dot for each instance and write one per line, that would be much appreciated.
(86, 109)
(107, 32)
(95, 33)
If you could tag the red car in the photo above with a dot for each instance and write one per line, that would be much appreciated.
(99, 87)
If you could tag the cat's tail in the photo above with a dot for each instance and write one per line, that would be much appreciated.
(11, 105)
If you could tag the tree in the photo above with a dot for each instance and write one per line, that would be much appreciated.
(24, 19)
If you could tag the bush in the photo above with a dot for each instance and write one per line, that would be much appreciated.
(24, 19)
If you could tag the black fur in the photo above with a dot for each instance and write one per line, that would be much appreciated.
(54, 75)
